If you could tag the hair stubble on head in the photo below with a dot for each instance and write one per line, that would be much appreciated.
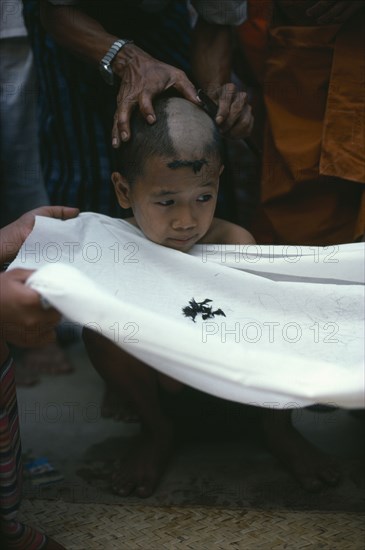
(183, 134)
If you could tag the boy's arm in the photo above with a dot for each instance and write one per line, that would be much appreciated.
(223, 232)
(235, 234)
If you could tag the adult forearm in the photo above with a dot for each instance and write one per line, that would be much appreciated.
(76, 31)
(211, 54)
(212, 68)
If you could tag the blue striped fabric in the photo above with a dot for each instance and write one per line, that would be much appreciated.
(76, 107)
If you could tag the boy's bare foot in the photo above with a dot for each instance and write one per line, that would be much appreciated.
(48, 360)
(115, 406)
(313, 469)
(142, 468)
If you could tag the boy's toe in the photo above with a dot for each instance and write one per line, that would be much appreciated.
(311, 483)
(124, 489)
(331, 475)
(322, 474)
(146, 488)
(122, 484)
(144, 491)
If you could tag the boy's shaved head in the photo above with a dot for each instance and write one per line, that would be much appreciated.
(183, 134)
(189, 127)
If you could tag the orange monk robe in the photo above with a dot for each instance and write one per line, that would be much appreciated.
(313, 170)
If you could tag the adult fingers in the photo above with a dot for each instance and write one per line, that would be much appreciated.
(349, 9)
(115, 132)
(38, 313)
(50, 316)
(334, 11)
(187, 89)
(20, 229)
(320, 8)
(146, 107)
(61, 212)
(236, 109)
(167, 77)
(126, 101)
(243, 126)
(29, 333)
(239, 121)
(41, 330)
(227, 94)
(38, 339)
(39, 309)
(121, 129)
(329, 16)
(19, 274)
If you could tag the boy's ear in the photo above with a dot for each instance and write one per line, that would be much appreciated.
(122, 189)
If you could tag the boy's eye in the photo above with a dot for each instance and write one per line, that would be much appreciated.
(204, 198)
(166, 203)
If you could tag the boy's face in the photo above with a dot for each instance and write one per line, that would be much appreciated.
(173, 207)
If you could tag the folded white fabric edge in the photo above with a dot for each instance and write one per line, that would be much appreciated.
(307, 304)
(168, 348)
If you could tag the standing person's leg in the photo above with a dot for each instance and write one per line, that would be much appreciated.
(13, 534)
(22, 186)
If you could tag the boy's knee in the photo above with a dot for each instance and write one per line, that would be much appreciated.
(92, 338)
(169, 384)
(86, 335)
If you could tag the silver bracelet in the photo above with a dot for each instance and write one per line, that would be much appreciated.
(105, 68)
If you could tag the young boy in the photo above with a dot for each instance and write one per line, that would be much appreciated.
(169, 177)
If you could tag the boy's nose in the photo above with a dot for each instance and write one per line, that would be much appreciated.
(184, 221)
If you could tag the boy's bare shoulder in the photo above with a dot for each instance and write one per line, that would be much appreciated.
(223, 232)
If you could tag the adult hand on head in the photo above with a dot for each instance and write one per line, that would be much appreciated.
(234, 116)
(23, 320)
(327, 12)
(13, 235)
(142, 78)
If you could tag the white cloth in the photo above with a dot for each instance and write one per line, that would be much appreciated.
(289, 342)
